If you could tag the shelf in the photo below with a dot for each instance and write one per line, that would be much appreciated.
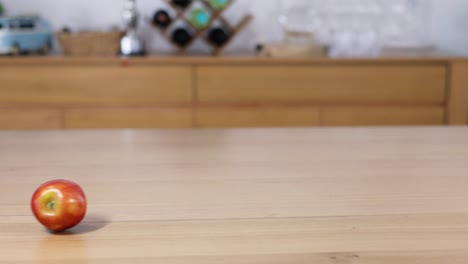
(239, 59)
(180, 12)
(200, 33)
(239, 28)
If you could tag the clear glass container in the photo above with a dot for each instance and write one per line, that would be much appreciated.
(353, 28)
(300, 21)
(357, 28)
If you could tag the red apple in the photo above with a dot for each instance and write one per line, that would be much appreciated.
(59, 205)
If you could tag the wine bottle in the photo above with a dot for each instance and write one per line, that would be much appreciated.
(162, 19)
(218, 4)
(199, 18)
(181, 37)
(181, 3)
(219, 36)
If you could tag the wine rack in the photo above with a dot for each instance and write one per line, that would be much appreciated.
(216, 15)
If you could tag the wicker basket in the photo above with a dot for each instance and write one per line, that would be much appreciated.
(91, 43)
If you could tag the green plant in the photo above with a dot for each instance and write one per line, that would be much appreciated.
(2, 10)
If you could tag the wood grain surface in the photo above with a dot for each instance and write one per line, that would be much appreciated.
(237, 59)
(128, 117)
(231, 91)
(458, 96)
(257, 116)
(326, 196)
(14, 118)
(382, 116)
(401, 84)
(95, 85)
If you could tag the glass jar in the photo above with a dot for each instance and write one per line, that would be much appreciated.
(356, 28)
(300, 21)
(353, 27)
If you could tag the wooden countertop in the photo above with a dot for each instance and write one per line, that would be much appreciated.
(223, 60)
(389, 195)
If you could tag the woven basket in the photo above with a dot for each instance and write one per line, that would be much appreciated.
(91, 43)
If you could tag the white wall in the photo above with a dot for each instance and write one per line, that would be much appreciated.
(449, 23)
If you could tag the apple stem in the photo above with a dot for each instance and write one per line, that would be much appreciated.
(51, 205)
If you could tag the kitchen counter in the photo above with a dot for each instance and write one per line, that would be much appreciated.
(218, 60)
(229, 92)
(334, 195)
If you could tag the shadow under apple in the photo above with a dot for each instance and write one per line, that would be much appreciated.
(90, 224)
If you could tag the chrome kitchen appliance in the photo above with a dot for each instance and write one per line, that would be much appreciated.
(131, 44)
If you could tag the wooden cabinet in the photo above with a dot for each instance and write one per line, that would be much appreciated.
(382, 116)
(70, 93)
(257, 116)
(95, 85)
(128, 117)
(322, 84)
(457, 104)
(30, 118)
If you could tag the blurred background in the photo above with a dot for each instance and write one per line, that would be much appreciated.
(443, 21)
(81, 64)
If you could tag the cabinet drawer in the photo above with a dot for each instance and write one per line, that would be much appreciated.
(370, 116)
(457, 105)
(322, 84)
(128, 117)
(13, 118)
(225, 117)
(85, 85)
